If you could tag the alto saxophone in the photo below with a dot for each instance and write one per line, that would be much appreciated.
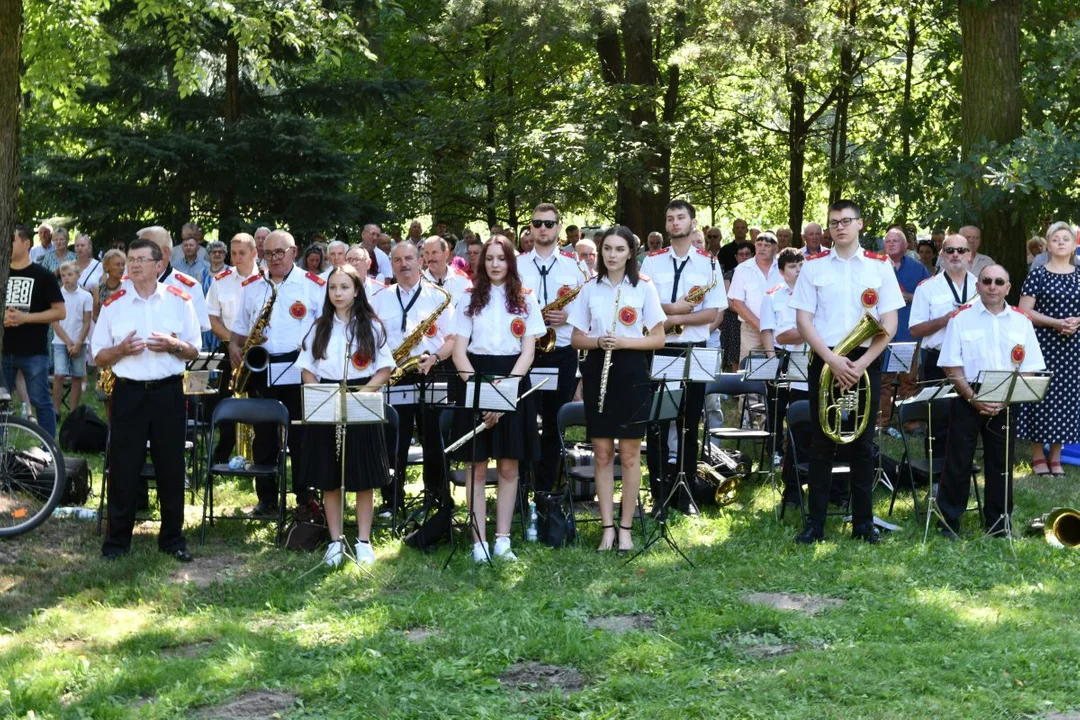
(406, 364)
(695, 296)
(242, 373)
(607, 353)
(546, 342)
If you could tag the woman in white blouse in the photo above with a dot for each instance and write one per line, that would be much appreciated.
(347, 341)
(609, 317)
(496, 326)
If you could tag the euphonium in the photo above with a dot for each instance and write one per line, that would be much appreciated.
(832, 406)
(406, 364)
(255, 358)
(1060, 527)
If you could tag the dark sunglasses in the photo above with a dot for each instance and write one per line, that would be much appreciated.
(954, 250)
(546, 223)
(993, 281)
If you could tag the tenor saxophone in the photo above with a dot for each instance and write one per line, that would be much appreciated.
(250, 350)
(607, 353)
(404, 363)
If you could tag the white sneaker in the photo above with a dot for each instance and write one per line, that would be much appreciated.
(502, 549)
(334, 554)
(480, 552)
(365, 554)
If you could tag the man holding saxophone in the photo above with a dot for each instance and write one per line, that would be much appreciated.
(835, 291)
(290, 300)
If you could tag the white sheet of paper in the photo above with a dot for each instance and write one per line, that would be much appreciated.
(995, 386)
(538, 374)
(402, 395)
(900, 357)
(668, 367)
(931, 392)
(322, 405)
(286, 373)
(798, 366)
(704, 364)
(761, 367)
(500, 396)
(201, 382)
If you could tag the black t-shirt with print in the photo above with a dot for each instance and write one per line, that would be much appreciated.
(31, 289)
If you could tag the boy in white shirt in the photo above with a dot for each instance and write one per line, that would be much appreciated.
(69, 337)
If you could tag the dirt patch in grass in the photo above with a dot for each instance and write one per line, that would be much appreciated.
(205, 571)
(622, 623)
(809, 604)
(1067, 715)
(141, 701)
(764, 651)
(420, 634)
(539, 677)
(9, 554)
(187, 651)
(257, 704)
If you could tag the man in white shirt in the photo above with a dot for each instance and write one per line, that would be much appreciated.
(436, 253)
(984, 335)
(369, 237)
(811, 237)
(834, 290)
(335, 253)
(586, 252)
(171, 276)
(44, 232)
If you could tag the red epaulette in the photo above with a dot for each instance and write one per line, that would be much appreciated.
(115, 296)
(874, 256)
(524, 291)
(186, 279)
(661, 251)
(254, 278)
(567, 253)
(959, 310)
(706, 253)
(223, 274)
(125, 278)
(815, 256)
(459, 271)
(643, 276)
(178, 292)
(774, 288)
(315, 279)
(925, 281)
(1021, 310)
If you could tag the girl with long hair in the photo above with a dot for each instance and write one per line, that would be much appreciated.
(496, 326)
(608, 319)
(347, 341)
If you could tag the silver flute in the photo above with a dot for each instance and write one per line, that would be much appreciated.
(607, 353)
(483, 426)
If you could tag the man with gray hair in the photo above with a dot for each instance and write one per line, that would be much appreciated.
(176, 254)
(168, 275)
(260, 237)
(380, 260)
(44, 232)
(436, 254)
(335, 252)
(811, 237)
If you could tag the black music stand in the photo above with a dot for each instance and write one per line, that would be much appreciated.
(1009, 387)
(783, 368)
(695, 365)
(933, 390)
(198, 385)
(898, 357)
(482, 394)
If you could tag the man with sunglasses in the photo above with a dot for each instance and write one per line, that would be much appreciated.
(550, 274)
(986, 334)
(834, 290)
(976, 262)
(936, 299)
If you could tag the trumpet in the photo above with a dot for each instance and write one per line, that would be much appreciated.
(835, 404)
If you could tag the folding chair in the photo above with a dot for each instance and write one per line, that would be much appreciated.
(799, 433)
(251, 411)
(919, 414)
(734, 386)
(572, 414)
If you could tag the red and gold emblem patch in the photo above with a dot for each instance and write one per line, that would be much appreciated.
(432, 331)
(627, 315)
(1018, 354)
(298, 310)
(517, 327)
(360, 361)
(869, 298)
(563, 290)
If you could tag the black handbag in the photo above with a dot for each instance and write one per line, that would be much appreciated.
(555, 523)
(307, 529)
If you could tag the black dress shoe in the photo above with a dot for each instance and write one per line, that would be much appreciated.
(181, 555)
(263, 510)
(866, 534)
(811, 534)
(113, 556)
(949, 531)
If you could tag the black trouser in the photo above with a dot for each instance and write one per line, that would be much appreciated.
(860, 452)
(267, 442)
(144, 412)
(226, 432)
(965, 427)
(788, 395)
(658, 449)
(426, 419)
(929, 370)
(546, 469)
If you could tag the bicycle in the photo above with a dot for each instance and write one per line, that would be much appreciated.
(33, 475)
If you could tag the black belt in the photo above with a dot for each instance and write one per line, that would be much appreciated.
(151, 384)
(933, 351)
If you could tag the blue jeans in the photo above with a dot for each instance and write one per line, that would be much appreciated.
(35, 370)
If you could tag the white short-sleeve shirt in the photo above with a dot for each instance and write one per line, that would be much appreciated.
(494, 330)
(979, 340)
(394, 301)
(749, 283)
(551, 278)
(341, 353)
(938, 296)
(595, 314)
(676, 276)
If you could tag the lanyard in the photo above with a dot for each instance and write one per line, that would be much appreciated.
(543, 277)
(960, 299)
(678, 271)
(406, 308)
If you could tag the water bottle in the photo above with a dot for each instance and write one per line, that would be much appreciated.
(78, 513)
(26, 411)
(530, 533)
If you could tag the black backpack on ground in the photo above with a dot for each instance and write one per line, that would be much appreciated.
(83, 430)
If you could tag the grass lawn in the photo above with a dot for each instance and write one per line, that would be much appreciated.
(941, 629)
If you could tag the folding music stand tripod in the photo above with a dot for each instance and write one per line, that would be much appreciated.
(899, 357)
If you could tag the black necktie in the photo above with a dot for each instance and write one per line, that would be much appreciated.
(678, 271)
(543, 279)
(406, 308)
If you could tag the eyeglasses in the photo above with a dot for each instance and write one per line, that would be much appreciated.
(275, 254)
(954, 250)
(545, 223)
(842, 222)
(1000, 282)
(140, 261)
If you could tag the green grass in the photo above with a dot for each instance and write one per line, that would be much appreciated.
(938, 629)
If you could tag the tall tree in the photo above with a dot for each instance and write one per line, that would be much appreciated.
(10, 54)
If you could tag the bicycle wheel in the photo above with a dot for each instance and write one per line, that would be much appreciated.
(32, 476)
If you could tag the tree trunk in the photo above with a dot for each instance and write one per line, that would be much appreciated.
(10, 53)
(992, 111)
(228, 223)
(837, 169)
(907, 113)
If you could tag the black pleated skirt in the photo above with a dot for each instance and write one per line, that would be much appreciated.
(366, 464)
(514, 437)
(628, 398)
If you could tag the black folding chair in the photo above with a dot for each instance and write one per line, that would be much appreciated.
(250, 411)
(734, 386)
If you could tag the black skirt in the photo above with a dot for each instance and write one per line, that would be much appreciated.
(514, 437)
(366, 464)
(628, 398)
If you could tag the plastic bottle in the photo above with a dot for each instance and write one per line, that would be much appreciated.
(79, 513)
(531, 534)
(25, 410)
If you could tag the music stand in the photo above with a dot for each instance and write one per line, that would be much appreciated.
(783, 368)
(695, 365)
(1009, 387)
(483, 393)
(898, 357)
(198, 384)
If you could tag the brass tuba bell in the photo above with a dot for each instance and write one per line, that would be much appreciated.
(833, 403)
(725, 489)
(1060, 527)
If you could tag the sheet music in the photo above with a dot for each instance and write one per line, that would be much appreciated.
(201, 382)
(498, 396)
(798, 366)
(761, 367)
(900, 357)
(931, 392)
(538, 374)
(1000, 386)
(668, 367)
(323, 405)
(284, 373)
(704, 365)
(402, 395)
